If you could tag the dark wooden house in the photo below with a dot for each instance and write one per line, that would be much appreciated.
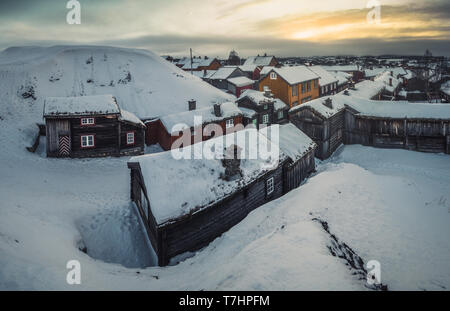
(262, 108)
(298, 148)
(220, 77)
(91, 126)
(186, 207)
(323, 121)
(420, 127)
(166, 130)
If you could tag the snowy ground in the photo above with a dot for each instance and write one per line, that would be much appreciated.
(388, 205)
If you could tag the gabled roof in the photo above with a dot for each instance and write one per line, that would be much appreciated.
(295, 74)
(259, 98)
(130, 117)
(240, 81)
(80, 105)
(185, 119)
(223, 73)
(259, 60)
(325, 77)
(200, 179)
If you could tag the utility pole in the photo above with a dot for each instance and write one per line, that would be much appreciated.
(191, 61)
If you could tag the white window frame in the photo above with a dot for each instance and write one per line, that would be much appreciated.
(133, 136)
(87, 121)
(229, 123)
(85, 141)
(273, 76)
(270, 186)
(280, 114)
(265, 118)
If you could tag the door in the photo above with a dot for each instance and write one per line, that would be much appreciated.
(64, 146)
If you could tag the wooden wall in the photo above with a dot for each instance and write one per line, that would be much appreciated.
(295, 173)
(192, 232)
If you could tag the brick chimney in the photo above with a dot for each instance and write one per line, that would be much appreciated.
(217, 110)
(192, 104)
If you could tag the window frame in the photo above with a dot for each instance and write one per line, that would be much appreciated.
(270, 186)
(266, 115)
(273, 75)
(229, 123)
(87, 141)
(87, 123)
(280, 114)
(134, 138)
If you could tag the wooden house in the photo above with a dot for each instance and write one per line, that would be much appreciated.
(387, 124)
(168, 130)
(186, 207)
(293, 85)
(262, 108)
(323, 121)
(198, 64)
(239, 84)
(220, 77)
(262, 61)
(91, 126)
(328, 84)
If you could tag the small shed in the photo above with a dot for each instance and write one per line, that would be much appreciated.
(323, 121)
(185, 203)
(239, 84)
(91, 126)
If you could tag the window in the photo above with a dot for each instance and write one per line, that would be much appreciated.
(265, 119)
(87, 141)
(294, 90)
(229, 123)
(273, 76)
(130, 138)
(280, 114)
(303, 87)
(270, 186)
(308, 84)
(255, 122)
(266, 107)
(315, 84)
(87, 121)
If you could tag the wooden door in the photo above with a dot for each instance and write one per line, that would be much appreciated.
(64, 146)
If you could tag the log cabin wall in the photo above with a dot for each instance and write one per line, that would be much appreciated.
(139, 139)
(106, 131)
(192, 232)
(328, 134)
(412, 134)
(198, 230)
(295, 173)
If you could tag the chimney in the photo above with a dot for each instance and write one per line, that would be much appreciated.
(217, 110)
(232, 163)
(392, 73)
(390, 81)
(328, 103)
(204, 72)
(192, 105)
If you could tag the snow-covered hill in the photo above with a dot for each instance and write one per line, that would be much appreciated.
(143, 82)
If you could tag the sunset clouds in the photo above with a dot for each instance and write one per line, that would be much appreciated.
(289, 27)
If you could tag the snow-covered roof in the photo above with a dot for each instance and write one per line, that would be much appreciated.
(295, 74)
(200, 179)
(291, 141)
(369, 73)
(325, 77)
(248, 68)
(223, 73)
(202, 74)
(130, 117)
(258, 60)
(259, 98)
(80, 105)
(240, 81)
(399, 109)
(445, 87)
(367, 89)
(185, 119)
(266, 70)
(318, 105)
(385, 77)
(342, 77)
(185, 62)
(345, 68)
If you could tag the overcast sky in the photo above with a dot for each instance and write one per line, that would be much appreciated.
(214, 27)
